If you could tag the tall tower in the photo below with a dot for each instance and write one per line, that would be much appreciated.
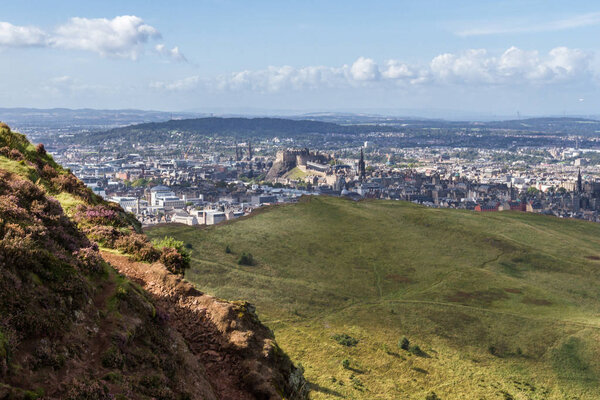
(249, 150)
(237, 152)
(361, 165)
(579, 184)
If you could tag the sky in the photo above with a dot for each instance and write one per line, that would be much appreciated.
(426, 57)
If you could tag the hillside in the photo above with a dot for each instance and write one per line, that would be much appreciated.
(90, 309)
(159, 132)
(195, 129)
(500, 305)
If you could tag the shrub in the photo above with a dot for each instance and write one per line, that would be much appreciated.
(432, 396)
(138, 247)
(175, 254)
(88, 391)
(404, 344)
(107, 236)
(70, 184)
(227, 249)
(246, 259)
(345, 340)
(48, 172)
(89, 259)
(346, 363)
(113, 358)
(40, 149)
(173, 260)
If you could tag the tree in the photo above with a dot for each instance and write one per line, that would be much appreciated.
(532, 190)
(404, 344)
(246, 259)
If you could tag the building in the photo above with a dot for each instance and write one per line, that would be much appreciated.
(212, 217)
(164, 197)
(486, 207)
(184, 218)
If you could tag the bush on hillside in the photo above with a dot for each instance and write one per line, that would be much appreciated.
(48, 172)
(106, 236)
(138, 247)
(404, 344)
(40, 149)
(13, 154)
(345, 340)
(246, 259)
(89, 259)
(102, 214)
(173, 260)
(175, 255)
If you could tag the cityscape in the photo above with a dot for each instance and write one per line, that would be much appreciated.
(300, 200)
(225, 178)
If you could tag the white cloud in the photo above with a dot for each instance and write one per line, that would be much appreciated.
(576, 21)
(471, 67)
(512, 67)
(124, 36)
(174, 53)
(395, 69)
(21, 36)
(365, 69)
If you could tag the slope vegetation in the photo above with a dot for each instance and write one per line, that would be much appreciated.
(74, 327)
(494, 306)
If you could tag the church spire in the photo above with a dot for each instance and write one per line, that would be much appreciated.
(361, 165)
(579, 185)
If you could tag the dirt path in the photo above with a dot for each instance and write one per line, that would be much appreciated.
(241, 358)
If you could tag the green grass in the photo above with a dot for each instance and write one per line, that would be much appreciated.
(295, 174)
(456, 283)
(68, 202)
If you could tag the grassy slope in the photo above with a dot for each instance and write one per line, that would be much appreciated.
(454, 282)
(295, 173)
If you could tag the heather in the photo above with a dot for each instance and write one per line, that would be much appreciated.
(63, 310)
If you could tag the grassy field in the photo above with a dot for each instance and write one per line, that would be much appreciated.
(502, 305)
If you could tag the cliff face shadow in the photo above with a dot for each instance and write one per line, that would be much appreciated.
(318, 388)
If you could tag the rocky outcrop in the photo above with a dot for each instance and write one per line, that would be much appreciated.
(240, 355)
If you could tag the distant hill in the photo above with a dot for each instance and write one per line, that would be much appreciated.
(501, 305)
(243, 128)
(202, 127)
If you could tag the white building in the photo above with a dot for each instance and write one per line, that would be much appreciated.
(184, 218)
(212, 217)
(162, 196)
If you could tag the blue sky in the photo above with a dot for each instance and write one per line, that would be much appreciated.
(481, 57)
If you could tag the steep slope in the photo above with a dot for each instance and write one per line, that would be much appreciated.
(500, 305)
(72, 327)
